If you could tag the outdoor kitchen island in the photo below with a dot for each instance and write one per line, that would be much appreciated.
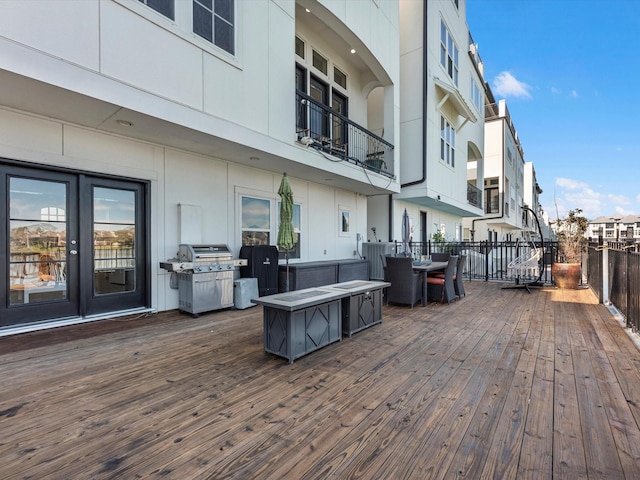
(299, 322)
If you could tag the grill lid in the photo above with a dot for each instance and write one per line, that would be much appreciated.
(192, 253)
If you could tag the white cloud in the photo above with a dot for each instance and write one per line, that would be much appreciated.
(506, 85)
(555, 91)
(570, 184)
(574, 94)
(571, 194)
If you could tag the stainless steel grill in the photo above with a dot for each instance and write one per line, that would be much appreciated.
(205, 277)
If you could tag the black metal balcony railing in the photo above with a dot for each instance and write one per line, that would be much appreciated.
(330, 132)
(474, 195)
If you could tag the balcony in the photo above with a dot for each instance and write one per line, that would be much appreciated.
(474, 195)
(333, 134)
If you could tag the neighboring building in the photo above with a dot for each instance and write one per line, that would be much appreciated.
(531, 198)
(441, 125)
(128, 127)
(503, 177)
(615, 228)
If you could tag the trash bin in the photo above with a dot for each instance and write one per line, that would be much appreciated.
(244, 289)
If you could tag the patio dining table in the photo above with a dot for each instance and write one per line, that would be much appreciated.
(425, 267)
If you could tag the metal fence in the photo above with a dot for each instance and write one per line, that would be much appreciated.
(489, 260)
(614, 275)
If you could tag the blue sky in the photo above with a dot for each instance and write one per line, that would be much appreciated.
(569, 72)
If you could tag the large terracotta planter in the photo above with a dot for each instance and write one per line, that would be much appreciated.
(566, 275)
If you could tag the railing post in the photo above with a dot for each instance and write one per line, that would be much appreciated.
(605, 272)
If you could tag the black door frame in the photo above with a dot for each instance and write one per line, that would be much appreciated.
(81, 300)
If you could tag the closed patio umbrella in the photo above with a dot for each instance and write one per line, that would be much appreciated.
(286, 235)
(406, 234)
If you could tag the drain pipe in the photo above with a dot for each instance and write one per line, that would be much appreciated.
(425, 85)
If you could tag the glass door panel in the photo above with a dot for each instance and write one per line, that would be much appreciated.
(114, 236)
(37, 241)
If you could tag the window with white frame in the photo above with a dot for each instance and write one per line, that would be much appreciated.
(476, 98)
(213, 20)
(259, 222)
(256, 221)
(165, 7)
(447, 142)
(448, 53)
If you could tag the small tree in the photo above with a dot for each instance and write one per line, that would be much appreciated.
(571, 236)
(439, 241)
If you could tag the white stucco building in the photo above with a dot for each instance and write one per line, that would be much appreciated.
(503, 177)
(441, 125)
(116, 116)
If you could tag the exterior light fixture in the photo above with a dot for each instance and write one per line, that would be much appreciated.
(124, 123)
(353, 50)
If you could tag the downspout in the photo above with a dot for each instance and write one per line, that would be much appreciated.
(424, 102)
(424, 117)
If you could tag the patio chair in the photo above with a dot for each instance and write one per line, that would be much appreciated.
(443, 289)
(406, 285)
(438, 257)
(457, 276)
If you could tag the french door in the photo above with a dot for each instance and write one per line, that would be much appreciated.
(72, 245)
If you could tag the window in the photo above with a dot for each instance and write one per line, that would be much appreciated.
(213, 21)
(165, 7)
(447, 142)
(260, 223)
(448, 53)
(320, 62)
(256, 221)
(340, 78)
(299, 47)
(476, 98)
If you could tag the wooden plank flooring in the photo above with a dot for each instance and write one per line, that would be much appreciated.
(500, 385)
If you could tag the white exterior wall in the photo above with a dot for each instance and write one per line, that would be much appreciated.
(443, 194)
(179, 177)
(120, 56)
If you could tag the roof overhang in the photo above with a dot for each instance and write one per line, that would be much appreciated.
(452, 96)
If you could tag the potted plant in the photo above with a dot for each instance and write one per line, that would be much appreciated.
(570, 232)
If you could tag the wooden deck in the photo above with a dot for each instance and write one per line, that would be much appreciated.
(502, 384)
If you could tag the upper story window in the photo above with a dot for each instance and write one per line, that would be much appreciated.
(213, 20)
(448, 53)
(476, 98)
(447, 142)
(299, 47)
(320, 62)
(340, 77)
(165, 7)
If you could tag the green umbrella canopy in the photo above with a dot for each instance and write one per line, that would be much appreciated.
(286, 235)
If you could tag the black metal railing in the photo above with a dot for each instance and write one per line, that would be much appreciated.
(331, 132)
(474, 195)
(489, 261)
